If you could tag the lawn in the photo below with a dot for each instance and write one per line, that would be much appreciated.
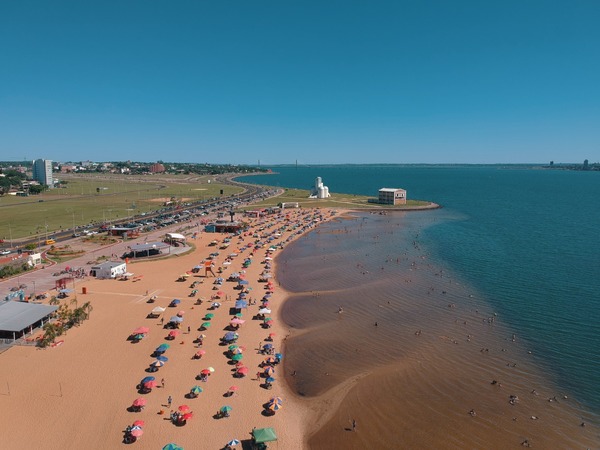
(93, 198)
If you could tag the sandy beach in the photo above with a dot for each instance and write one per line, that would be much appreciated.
(77, 394)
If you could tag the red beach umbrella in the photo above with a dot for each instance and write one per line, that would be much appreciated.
(139, 401)
(138, 423)
(181, 313)
(141, 330)
(173, 333)
(233, 388)
(243, 370)
(201, 352)
(220, 293)
(184, 408)
(151, 384)
(187, 416)
(205, 372)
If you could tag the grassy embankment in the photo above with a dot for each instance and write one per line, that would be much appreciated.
(347, 201)
(80, 203)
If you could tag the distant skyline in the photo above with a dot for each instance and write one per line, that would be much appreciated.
(320, 82)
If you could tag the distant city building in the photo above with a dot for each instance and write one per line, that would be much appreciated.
(392, 196)
(157, 168)
(42, 172)
(319, 191)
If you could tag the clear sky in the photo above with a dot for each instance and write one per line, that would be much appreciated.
(327, 81)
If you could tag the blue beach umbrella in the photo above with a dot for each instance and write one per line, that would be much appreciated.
(146, 379)
(270, 379)
(162, 358)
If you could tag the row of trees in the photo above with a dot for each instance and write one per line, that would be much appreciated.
(66, 316)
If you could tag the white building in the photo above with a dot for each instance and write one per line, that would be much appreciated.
(109, 269)
(392, 196)
(42, 172)
(319, 191)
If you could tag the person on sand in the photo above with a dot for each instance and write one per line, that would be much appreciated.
(169, 401)
(162, 382)
(353, 424)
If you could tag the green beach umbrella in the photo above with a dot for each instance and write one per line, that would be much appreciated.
(232, 347)
(196, 390)
(225, 408)
(209, 316)
(172, 447)
(205, 325)
(238, 315)
(268, 319)
(237, 357)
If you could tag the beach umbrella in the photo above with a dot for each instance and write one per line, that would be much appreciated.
(211, 369)
(205, 325)
(264, 311)
(174, 333)
(162, 358)
(232, 347)
(272, 335)
(215, 304)
(139, 423)
(209, 316)
(175, 301)
(196, 390)
(162, 347)
(220, 293)
(236, 351)
(150, 384)
(183, 408)
(205, 372)
(146, 379)
(187, 416)
(158, 309)
(279, 356)
(270, 379)
(230, 336)
(181, 313)
(243, 282)
(172, 446)
(141, 330)
(157, 363)
(237, 321)
(233, 388)
(226, 409)
(233, 443)
(270, 360)
(139, 337)
(268, 346)
(275, 406)
(240, 315)
(276, 400)
(239, 304)
(269, 370)
(176, 319)
(243, 370)
(136, 432)
(201, 353)
(237, 357)
(139, 401)
(267, 319)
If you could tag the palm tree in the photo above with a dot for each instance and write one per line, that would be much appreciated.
(88, 308)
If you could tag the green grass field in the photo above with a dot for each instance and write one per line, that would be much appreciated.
(80, 203)
(347, 201)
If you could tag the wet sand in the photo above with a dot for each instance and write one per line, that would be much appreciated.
(415, 358)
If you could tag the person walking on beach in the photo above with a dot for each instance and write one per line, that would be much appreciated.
(353, 424)
(169, 401)
(162, 382)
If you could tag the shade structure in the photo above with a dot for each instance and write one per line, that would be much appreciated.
(181, 313)
(237, 321)
(233, 347)
(215, 304)
(226, 408)
(139, 401)
(158, 309)
(211, 369)
(239, 304)
(136, 432)
(230, 336)
(162, 358)
(162, 347)
(262, 435)
(205, 372)
(264, 311)
(243, 282)
(139, 423)
(196, 390)
(239, 315)
(220, 293)
(209, 316)
(233, 388)
(201, 353)
(183, 408)
(150, 384)
(157, 363)
(270, 379)
(139, 337)
(233, 442)
(243, 370)
(187, 416)
(268, 346)
(268, 319)
(172, 446)
(270, 360)
(141, 330)
(205, 325)
(174, 333)
(237, 357)
(269, 370)
(275, 406)
(275, 400)
(176, 319)
(146, 379)
(175, 301)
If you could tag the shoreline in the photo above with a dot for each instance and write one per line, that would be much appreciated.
(331, 412)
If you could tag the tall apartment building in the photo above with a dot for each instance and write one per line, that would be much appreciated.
(42, 172)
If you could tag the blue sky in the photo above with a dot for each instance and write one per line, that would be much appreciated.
(314, 81)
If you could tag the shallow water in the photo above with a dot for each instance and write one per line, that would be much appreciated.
(428, 343)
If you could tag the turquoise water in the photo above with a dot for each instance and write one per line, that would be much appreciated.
(525, 238)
